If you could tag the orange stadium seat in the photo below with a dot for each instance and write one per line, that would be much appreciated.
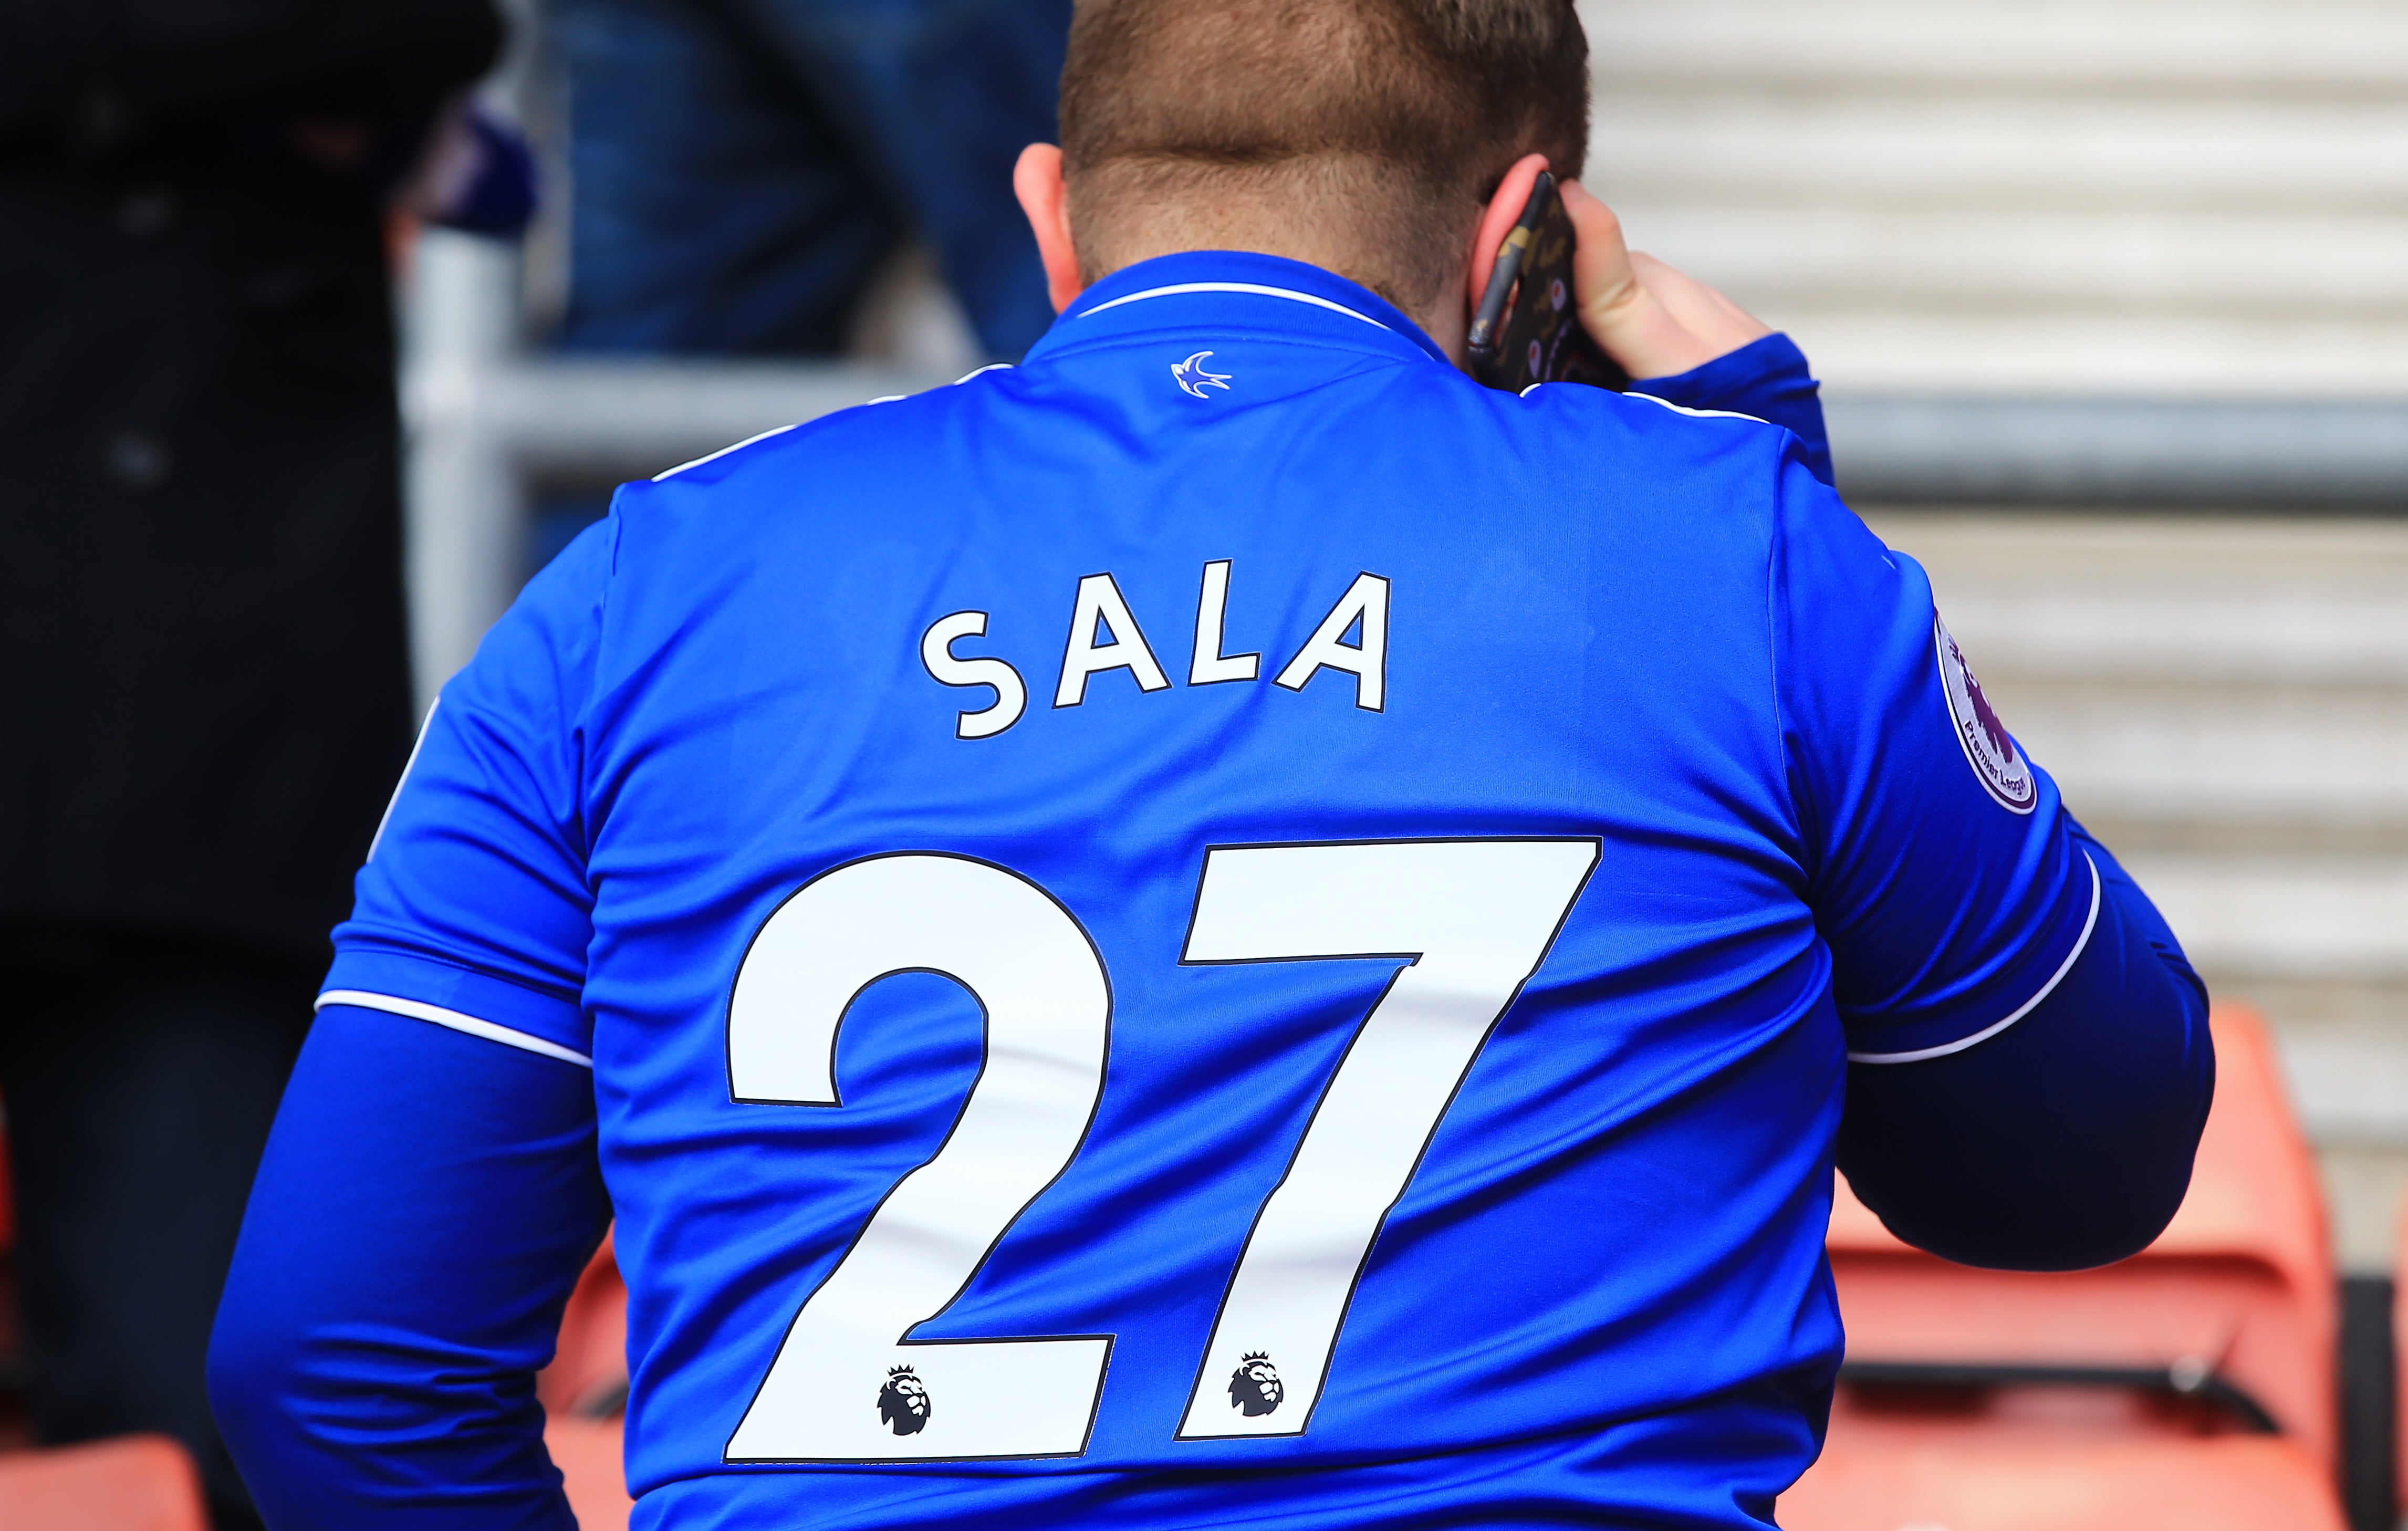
(585, 1391)
(589, 1455)
(1986, 1482)
(588, 1375)
(131, 1483)
(2190, 1385)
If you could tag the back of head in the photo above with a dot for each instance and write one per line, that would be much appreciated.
(1364, 135)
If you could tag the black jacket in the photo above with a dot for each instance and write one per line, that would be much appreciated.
(204, 683)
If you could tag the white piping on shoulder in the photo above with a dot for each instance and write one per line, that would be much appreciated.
(2024, 1008)
(1701, 414)
(781, 430)
(712, 457)
(453, 1019)
(424, 728)
(974, 372)
(1234, 287)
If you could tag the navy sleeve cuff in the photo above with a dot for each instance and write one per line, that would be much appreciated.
(2064, 1142)
(1767, 379)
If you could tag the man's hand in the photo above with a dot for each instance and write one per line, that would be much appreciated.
(1648, 316)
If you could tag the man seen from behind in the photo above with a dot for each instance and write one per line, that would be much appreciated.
(1223, 925)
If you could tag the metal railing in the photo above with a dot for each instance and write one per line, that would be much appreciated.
(486, 421)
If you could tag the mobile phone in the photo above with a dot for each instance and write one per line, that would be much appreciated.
(1527, 329)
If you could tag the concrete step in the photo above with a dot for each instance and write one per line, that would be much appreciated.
(2310, 760)
(2260, 48)
(1870, 347)
(1662, 142)
(2224, 685)
(2190, 600)
(2061, 300)
(2225, 701)
(2240, 264)
(2164, 197)
(2324, 918)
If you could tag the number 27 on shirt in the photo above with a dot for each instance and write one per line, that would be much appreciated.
(1470, 920)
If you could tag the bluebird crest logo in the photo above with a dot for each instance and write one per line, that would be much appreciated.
(1191, 376)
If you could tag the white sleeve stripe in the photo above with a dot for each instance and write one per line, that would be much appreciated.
(2021, 1010)
(453, 1019)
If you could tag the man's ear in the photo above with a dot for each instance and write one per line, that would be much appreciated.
(1037, 181)
(1512, 195)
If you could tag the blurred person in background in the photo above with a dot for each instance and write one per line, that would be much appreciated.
(742, 168)
(202, 639)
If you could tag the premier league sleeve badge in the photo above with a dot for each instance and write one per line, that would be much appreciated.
(1989, 748)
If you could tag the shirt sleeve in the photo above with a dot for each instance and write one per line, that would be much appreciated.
(2066, 1142)
(1767, 378)
(474, 909)
(374, 1361)
(1938, 860)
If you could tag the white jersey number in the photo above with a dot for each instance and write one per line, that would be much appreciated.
(845, 1386)
(1470, 920)
(1473, 919)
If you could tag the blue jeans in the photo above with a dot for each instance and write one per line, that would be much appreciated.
(742, 167)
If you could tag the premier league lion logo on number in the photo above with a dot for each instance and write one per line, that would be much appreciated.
(1254, 1387)
(903, 1402)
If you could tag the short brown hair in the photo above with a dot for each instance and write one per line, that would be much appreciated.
(1396, 118)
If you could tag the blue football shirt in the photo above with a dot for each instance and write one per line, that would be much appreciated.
(1222, 925)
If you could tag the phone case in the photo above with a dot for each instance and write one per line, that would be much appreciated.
(1540, 338)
